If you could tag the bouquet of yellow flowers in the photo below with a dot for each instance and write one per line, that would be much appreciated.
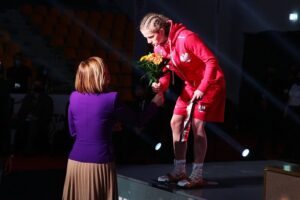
(152, 64)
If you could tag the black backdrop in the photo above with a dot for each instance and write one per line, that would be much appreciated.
(269, 53)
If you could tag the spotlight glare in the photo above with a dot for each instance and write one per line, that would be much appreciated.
(157, 146)
(287, 168)
(293, 17)
(245, 152)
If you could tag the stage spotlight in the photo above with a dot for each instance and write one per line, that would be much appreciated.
(147, 138)
(287, 168)
(293, 17)
(245, 152)
(157, 146)
(227, 138)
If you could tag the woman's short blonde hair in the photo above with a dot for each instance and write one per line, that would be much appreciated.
(92, 76)
(153, 22)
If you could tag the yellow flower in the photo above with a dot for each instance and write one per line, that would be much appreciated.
(143, 58)
(152, 57)
(156, 58)
(152, 64)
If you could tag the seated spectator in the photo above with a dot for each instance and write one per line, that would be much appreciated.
(19, 75)
(34, 118)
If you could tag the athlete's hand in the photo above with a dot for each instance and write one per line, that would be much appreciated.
(156, 87)
(198, 95)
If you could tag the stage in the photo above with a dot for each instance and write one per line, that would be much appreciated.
(242, 180)
(43, 178)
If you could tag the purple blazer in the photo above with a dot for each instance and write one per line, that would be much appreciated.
(91, 118)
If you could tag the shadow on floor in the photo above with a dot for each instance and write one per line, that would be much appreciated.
(33, 185)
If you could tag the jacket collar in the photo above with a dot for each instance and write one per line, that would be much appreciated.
(175, 29)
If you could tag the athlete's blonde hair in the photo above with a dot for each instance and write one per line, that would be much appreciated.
(153, 22)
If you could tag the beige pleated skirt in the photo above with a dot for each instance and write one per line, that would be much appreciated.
(90, 181)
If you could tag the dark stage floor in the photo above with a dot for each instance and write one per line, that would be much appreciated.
(241, 180)
(232, 180)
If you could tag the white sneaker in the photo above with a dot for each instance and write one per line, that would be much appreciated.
(171, 177)
(191, 183)
(178, 173)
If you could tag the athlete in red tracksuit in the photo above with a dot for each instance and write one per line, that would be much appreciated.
(204, 82)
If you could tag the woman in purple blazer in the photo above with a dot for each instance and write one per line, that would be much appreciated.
(92, 113)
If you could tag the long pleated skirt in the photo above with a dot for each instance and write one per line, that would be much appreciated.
(90, 181)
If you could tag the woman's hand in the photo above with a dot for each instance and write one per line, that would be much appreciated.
(156, 87)
(198, 95)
